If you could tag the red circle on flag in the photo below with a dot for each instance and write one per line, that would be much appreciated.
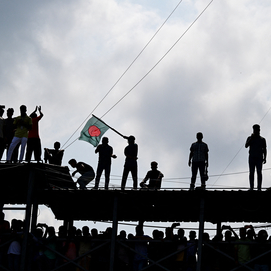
(94, 131)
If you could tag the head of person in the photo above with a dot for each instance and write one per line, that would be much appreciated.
(131, 140)
(23, 110)
(85, 231)
(154, 165)
(192, 235)
(262, 235)
(256, 129)
(199, 136)
(72, 163)
(33, 115)
(57, 145)
(105, 140)
(181, 233)
(10, 112)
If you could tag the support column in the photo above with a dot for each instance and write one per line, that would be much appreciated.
(27, 219)
(114, 233)
(201, 230)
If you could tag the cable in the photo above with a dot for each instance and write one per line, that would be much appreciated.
(124, 72)
(158, 62)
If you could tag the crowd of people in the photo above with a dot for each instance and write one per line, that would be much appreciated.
(91, 250)
(23, 131)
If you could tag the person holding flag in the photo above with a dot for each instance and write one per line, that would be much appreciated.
(105, 154)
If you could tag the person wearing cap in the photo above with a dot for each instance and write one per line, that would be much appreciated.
(257, 155)
(154, 176)
(130, 164)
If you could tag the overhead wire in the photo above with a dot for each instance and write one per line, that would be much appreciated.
(158, 62)
(142, 50)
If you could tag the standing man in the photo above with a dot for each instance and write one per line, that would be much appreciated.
(23, 124)
(257, 156)
(130, 162)
(85, 170)
(105, 153)
(199, 156)
(33, 142)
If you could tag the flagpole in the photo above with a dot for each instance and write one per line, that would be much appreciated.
(109, 127)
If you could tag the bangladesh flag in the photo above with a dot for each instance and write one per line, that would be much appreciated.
(93, 131)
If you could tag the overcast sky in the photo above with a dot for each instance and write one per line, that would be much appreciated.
(67, 56)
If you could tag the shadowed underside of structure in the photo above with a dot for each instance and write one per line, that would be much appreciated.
(54, 187)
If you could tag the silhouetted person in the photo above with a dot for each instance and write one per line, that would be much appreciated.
(199, 156)
(54, 156)
(85, 170)
(141, 249)
(257, 156)
(9, 130)
(2, 140)
(105, 154)
(130, 164)
(262, 246)
(242, 250)
(154, 176)
(23, 124)
(191, 259)
(33, 142)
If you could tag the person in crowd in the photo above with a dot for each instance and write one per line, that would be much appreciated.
(122, 253)
(14, 250)
(85, 170)
(181, 245)
(54, 156)
(263, 260)
(23, 124)
(104, 164)
(154, 176)
(84, 248)
(130, 165)
(257, 156)
(141, 249)
(33, 142)
(191, 252)
(242, 248)
(199, 157)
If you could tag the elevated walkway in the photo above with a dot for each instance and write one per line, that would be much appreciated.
(53, 186)
(36, 184)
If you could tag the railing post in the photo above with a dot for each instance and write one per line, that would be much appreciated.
(201, 230)
(114, 233)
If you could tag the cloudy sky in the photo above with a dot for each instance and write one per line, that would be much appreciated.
(67, 56)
